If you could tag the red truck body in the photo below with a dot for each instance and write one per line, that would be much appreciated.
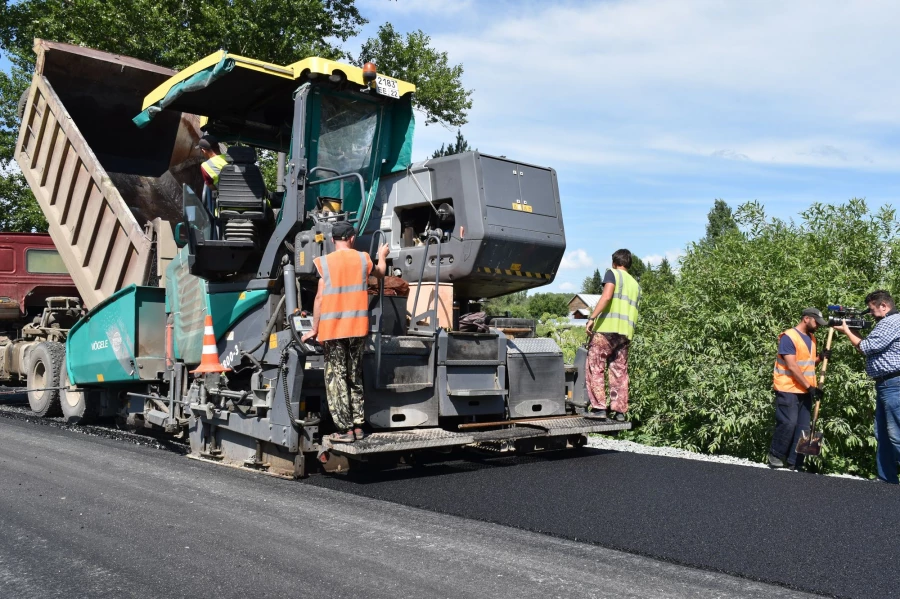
(31, 270)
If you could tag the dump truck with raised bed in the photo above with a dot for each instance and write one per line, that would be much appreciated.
(107, 143)
(38, 305)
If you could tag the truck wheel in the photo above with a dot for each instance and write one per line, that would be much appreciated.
(78, 407)
(47, 361)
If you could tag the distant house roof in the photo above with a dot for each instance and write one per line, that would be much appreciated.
(589, 299)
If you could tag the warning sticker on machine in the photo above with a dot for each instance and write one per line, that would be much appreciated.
(522, 207)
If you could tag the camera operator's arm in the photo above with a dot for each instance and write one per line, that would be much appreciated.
(794, 368)
(851, 336)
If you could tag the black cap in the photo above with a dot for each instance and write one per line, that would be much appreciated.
(342, 230)
(816, 314)
(208, 142)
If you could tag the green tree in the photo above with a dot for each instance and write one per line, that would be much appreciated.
(176, 33)
(659, 279)
(457, 147)
(514, 304)
(19, 212)
(553, 304)
(637, 268)
(720, 221)
(593, 283)
(439, 89)
(701, 360)
(664, 274)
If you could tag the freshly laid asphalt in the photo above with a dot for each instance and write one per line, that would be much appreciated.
(84, 514)
(142, 501)
(826, 535)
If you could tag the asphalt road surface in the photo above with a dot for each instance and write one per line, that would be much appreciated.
(828, 535)
(88, 516)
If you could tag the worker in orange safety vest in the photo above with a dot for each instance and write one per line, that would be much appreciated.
(341, 324)
(794, 381)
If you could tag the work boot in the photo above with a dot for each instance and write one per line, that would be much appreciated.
(617, 416)
(347, 437)
(596, 414)
(775, 462)
(359, 434)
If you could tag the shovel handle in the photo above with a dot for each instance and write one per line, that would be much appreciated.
(824, 366)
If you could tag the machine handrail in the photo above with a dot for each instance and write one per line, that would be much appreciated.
(362, 185)
(316, 169)
(430, 314)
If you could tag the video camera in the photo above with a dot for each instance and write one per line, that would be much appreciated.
(854, 318)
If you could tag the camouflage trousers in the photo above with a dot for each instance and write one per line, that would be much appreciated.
(608, 351)
(343, 381)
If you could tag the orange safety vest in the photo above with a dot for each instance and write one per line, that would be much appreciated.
(806, 358)
(345, 301)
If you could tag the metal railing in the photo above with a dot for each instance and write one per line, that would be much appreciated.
(429, 314)
(339, 177)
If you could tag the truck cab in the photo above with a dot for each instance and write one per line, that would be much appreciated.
(31, 271)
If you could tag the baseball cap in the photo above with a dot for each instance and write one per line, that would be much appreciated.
(208, 142)
(342, 230)
(816, 314)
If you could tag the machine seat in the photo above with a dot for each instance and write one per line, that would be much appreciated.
(242, 191)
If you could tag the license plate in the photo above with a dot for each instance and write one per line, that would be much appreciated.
(387, 86)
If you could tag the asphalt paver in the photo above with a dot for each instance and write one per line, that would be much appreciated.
(828, 535)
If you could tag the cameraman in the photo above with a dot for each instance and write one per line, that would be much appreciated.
(882, 351)
(794, 380)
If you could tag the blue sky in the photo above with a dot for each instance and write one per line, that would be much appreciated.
(649, 110)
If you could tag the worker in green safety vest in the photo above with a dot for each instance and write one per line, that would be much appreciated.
(210, 168)
(611, 327)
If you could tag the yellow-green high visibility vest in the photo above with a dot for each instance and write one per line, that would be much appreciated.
(213, 167)
(621, 313)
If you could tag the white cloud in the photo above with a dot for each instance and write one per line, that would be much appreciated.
(567, 286)
(419, 7)
(775, 83)
(815, 151)
(576, 259)
(729, 155)
(673, 256)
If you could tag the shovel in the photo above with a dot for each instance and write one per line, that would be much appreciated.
(810, 443)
